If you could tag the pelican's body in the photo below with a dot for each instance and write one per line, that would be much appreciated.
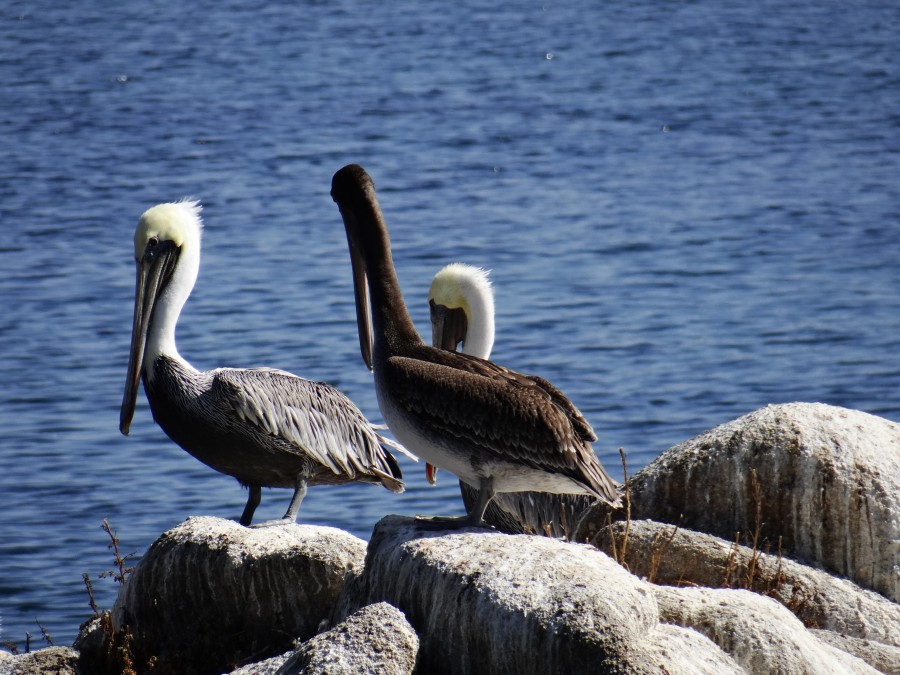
(496, 429)
(461, 303)
(265, 427)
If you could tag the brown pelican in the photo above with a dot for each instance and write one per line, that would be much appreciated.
(461, 302)
(263, 426)
(496, 429)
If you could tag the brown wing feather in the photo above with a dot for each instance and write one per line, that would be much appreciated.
(490, 369)
(499, 410)
(506, 413)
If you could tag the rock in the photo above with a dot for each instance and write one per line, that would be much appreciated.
(270, 666)
(757, 632)
(210, 594)
(56, 660)
(484, 602)
(821, 480)
(882, 657)
(96, 646)
(668, 555)
(376, 639)
(675, 650)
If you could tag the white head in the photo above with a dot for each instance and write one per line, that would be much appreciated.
(462, 309)
(178, 222)
(179, 225)
(167, 255)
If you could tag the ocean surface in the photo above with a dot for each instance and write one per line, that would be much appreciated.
(690, 210)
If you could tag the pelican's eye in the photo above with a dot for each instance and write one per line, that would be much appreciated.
(151, 248)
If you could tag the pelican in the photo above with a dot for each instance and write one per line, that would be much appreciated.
(265, 427)
(461, 303)
(496, 429)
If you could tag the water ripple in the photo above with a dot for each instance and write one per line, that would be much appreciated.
(685, 220)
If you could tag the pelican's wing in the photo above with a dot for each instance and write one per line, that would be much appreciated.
(514, 421)
(581, 425)
(507, 414)
(312, 417)
(491, 370)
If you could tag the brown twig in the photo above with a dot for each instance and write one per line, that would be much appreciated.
(753, 563)
(659, 551)
(731, 563)
(627, 506)
(612, 540)
(122, 574)
(90, 591)
(45, 633)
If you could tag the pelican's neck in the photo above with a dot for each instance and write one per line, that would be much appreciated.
(161, 331)
(479, 340)
(393, 327)
(463, 287)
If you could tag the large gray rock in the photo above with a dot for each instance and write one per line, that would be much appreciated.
(375, 639)
(758, 633)
(675, 650)
(270, 666)
(56, 660)
(826, 485)
(882, 657)
(210, 594)
(483, 602)
(666, 555)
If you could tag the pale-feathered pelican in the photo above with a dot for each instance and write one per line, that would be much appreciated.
(265, 427)
(496, 429)
(461, 303)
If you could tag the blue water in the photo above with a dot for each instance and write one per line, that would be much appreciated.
(691, 210)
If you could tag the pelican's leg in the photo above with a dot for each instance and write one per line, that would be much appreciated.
(475, 516)
(291, 515)
(253, 500)
(299, 494)
(485, 495)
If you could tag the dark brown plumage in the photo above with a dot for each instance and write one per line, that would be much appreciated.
(498, 430)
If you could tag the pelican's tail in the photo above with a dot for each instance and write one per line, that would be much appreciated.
(393, 484)
(391, 444)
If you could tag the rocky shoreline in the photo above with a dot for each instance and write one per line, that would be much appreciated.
(770, 544)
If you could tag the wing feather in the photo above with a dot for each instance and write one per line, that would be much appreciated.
(501, 411)
(310, 418)
(505, 413)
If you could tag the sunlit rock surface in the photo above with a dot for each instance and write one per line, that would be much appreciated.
(375, 639)
(882, 657)
(55, 660)
(822, 480)
(210, 594)
(668, 555)
(675, 650)
(758, 633)
(484, 602)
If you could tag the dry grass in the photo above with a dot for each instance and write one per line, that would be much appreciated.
(118, 646)
(619, 556)
(751, 571)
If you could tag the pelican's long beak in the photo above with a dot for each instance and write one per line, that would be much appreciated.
(360, 286)
(153, 272)
(448, 326)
